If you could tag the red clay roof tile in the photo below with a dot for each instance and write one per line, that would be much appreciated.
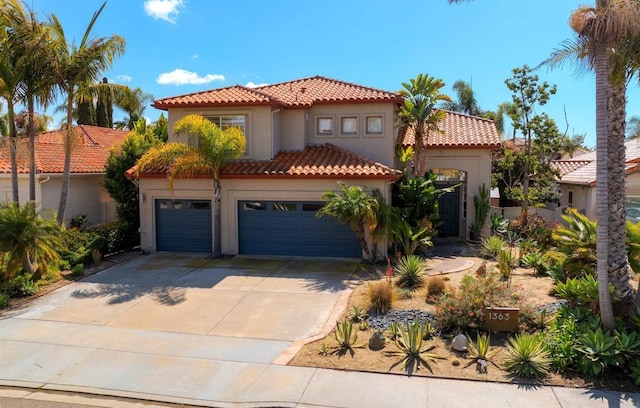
(298, 93)
(459, 130)
(89, 155)
(315, 161)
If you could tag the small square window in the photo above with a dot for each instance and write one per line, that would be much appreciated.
(325, 126)
(349, 125)
(374, 125)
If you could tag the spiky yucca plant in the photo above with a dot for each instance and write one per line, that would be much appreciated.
(410, 344)
(410, 270)
(527, 356)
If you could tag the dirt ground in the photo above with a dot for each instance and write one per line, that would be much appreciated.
(537, 290)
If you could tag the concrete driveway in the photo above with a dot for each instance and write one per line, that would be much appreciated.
(235, 316)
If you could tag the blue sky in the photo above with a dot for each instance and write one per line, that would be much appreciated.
(182, 46)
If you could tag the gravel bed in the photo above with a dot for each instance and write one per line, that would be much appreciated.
(383, 321)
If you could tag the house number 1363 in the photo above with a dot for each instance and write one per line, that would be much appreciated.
(498, 316)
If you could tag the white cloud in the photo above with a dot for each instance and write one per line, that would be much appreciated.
(254, 85)
(195, 56)
(183, 77)
(167, 10)
(123, 78)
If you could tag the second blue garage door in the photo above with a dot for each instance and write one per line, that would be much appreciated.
(292, 228)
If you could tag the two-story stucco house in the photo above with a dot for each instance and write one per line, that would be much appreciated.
(303, 136)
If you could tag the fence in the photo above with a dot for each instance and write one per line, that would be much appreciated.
(513, 213)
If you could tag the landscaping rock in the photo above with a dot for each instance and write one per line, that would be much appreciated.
(376, 341)
(459, 343)
(383, 321)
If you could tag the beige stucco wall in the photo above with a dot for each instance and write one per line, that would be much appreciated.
(86, 196)
(234, 190)
(293, 129)
(379, 148)
(476, 163)
(258, 127)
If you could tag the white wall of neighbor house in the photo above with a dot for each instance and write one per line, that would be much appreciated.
(234, 190)
(86, 196)
(350, 129)
(476, 163)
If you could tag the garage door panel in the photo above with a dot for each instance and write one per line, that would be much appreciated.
(183, 225)
(292, 228)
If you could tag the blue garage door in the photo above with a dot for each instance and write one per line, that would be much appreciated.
(183, 225)
(292, 228)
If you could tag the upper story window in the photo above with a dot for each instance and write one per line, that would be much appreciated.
(228, 121)
(325, 126)
(374, 125)
(349, 125)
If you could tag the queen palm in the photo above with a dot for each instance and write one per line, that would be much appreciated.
(31, 39)
(421, 95)
(215, 147)
(12, 68)
(352, 206)
(75, 65)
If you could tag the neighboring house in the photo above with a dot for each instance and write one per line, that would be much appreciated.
(88, 160)
(303, 136)
(578, 180)
(460, 154)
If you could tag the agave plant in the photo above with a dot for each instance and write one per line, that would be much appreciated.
(411, 344)
(480, 351)
(527, 356)
(410, 270)
(597, 350)
(345, 335)
(491, 247)
(358, 315)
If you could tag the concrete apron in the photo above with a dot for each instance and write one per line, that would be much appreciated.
(174, 325)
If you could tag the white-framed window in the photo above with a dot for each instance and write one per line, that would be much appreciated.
(349, 125)
(228, 121)
(374, 125)
(324, 126)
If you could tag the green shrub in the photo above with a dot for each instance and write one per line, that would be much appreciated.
(410, 344)
(499, 225)
(635, 318)
(635, 372)
(535, 260)
(627, 345)
(436, 286)
(527, 357)
(596, 352)
(464, 308)
(410, 269)
(20, 285)
(119, 236)
(357, 315)
(4, 300)
(404, 293)
(380, 297)
(534, 229)
(505, 263)
(78, 270)
(491, 247)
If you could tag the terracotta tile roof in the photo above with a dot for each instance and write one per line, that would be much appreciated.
(315, 161)
(300, 93)
(568, 166)
(89, 155)
(460, 130)
(582, 169)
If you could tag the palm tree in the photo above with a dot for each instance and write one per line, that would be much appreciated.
(215, 147)
(31, 38)
(633, 127)
(27, 239)
(352, 206)
(12, 68)
(75, 65)
(466, 100)
(421, 95)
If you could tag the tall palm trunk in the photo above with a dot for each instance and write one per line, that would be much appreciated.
(217, 235)
(618, 266)
(68, 142)
(13, 150)
(32, 149)
(601, 68)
